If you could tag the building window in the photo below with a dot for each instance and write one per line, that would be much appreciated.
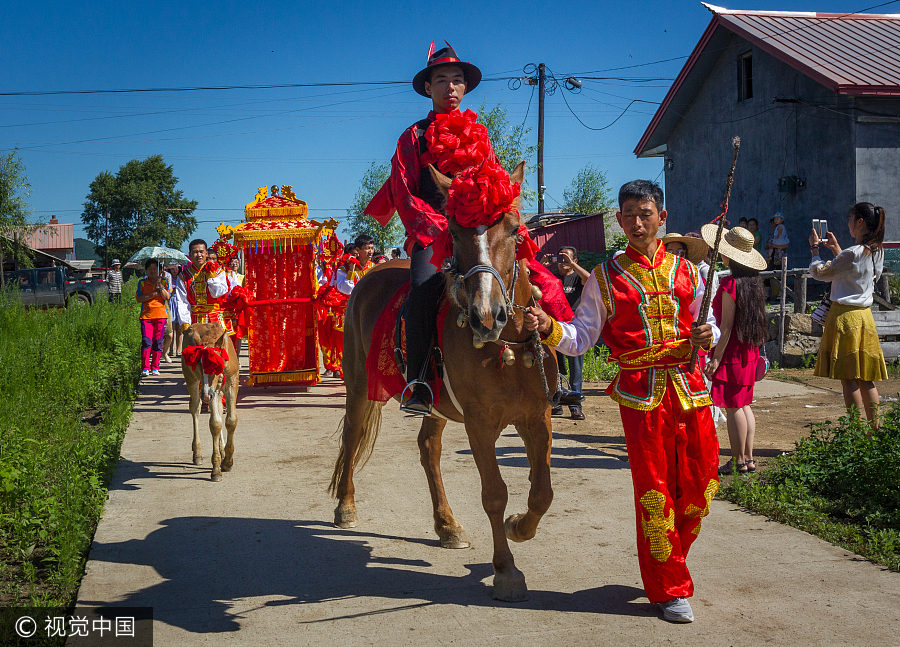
(745, 76)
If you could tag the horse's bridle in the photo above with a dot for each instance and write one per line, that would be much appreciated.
(489, 269)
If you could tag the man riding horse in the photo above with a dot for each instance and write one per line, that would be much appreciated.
(411, 192)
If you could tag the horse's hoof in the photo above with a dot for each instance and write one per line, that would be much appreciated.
(510, 587)
(510, 526)
(227, 465)
(454, 537)
(216, 477)
(345, 517)
(197, 459)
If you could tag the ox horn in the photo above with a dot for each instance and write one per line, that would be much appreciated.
(442, 181)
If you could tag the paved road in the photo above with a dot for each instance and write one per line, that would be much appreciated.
(254, 559)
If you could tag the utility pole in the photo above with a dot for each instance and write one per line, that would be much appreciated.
(540, 146)
(106, 242)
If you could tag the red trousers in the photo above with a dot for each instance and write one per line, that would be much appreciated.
(674, 457)
(332, 342)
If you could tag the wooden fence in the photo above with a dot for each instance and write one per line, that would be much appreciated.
(887, 319)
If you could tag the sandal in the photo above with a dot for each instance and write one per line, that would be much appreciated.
(751, 466)
(728, 468)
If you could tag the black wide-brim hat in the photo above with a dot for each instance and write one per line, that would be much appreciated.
(442, 57)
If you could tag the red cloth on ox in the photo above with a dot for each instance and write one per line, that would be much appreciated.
(211, 359)
(384, 376)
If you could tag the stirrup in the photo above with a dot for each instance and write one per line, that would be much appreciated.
(416, 412)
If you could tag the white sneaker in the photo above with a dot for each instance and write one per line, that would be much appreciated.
(676, 610)
(145, 372)
(154, 371)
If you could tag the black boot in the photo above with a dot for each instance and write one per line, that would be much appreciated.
(419, 401)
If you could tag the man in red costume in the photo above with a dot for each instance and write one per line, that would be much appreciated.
(233, 302)
(645, 303)
(411, 192)
(202, 285)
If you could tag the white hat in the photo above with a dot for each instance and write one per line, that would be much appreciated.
(116, 261)
(697, 249)
(736, 245)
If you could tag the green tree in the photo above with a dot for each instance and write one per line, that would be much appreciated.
(143, 208)
(589, 192)
(359, 223)
(509, 142)
(14, 189)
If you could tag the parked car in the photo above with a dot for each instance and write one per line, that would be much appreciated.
(55, 287)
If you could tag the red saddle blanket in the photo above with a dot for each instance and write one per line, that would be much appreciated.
(384, 376)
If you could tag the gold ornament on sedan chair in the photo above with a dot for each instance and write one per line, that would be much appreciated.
(508, 356)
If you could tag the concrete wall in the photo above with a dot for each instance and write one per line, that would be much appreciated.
(816, 142)
(878, 159)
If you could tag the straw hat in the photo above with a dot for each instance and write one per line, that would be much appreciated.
(736, 245)
(697, 249)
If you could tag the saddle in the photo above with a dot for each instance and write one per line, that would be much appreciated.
(386, 361)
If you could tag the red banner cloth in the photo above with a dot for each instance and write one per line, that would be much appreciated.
(212, 359)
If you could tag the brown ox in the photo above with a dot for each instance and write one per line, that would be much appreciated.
(210, 389)
(476, 390)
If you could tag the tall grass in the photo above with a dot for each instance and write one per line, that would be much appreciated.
(67, 383)
(597, 367)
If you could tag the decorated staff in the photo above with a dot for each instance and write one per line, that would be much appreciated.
(708, 295)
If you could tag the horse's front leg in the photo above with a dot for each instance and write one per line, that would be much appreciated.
(451, 533)
(193, 385)
(537, 434)
(509, 582)
(215, 429)
(231, 389)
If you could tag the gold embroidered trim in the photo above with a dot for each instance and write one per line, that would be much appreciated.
(555, 336)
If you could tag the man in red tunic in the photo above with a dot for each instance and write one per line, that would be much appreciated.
(411, 192)
(645, 303)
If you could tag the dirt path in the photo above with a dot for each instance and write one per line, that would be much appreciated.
(784, 409)
(255, 560)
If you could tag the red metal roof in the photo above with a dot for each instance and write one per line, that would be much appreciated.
(51, 237)
(857, 54)
(584, 234)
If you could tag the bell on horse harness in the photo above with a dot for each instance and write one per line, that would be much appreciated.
(528, 359)
(507, 355)
(462, 319)
(536, 292)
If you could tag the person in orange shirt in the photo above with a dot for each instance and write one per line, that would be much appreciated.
(152, 294)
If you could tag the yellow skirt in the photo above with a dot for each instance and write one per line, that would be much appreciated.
(850, 349)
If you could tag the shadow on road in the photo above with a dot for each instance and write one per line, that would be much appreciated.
(560, 457)
(209, 562)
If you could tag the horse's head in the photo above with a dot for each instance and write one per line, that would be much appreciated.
(484, 267)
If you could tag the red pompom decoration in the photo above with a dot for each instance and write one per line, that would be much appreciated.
(457, 141)
(481, 195)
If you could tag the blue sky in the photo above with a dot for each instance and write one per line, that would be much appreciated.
(225, 144)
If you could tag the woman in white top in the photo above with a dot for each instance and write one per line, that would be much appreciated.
(850, 350)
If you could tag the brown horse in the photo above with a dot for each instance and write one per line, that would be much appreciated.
(478, 389)
(210, 389)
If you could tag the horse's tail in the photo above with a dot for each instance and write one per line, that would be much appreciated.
(365, 442)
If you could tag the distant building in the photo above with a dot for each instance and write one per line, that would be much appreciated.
(815, 99)
(555, 229)
(54, 238)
